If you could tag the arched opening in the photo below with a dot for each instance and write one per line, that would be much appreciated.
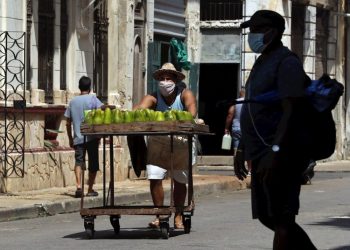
(138, 89)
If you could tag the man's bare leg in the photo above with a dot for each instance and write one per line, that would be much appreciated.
(77, 171)
(91, 181)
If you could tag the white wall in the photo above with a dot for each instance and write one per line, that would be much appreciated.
(12, 15)
(80, 43)
(12, 22)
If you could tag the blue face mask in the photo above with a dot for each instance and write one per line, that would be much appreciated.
(256, 42)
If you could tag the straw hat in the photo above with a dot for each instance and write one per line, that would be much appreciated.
(169, 69)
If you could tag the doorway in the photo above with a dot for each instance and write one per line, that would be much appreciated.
(218, 85)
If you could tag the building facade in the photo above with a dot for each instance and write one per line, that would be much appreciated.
(119, 44)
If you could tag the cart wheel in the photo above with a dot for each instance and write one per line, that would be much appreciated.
(164, 229)
(115, 223)
(187, 224)
(89, 227)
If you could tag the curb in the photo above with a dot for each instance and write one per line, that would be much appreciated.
(73, 205)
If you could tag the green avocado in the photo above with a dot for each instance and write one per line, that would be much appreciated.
(170, 116)
(107, 116)
(128, 116)
(88, 116)
(180, 115)
(118, 116)
(149, 114)
(86, 112)
(159, 116)
(139, 115)
(98, 117)
(188, 116)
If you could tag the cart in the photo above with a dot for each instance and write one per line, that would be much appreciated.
(167, 128)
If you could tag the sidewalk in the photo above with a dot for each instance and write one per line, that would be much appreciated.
(52, 201)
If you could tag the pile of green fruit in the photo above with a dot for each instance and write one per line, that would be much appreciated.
(115, 116)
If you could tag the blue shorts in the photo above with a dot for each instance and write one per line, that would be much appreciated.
(92, 150)
(236, 137)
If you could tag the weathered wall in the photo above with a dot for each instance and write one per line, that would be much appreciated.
(56, 169)
(47, 167)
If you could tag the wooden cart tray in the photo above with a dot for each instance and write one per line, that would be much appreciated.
(166, 126)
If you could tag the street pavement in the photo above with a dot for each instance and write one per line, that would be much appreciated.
(32, 204)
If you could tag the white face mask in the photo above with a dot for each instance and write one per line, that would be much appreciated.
(166, 88)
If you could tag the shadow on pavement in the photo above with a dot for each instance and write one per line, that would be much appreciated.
(339, 221)
(341, 248)
(126, 233)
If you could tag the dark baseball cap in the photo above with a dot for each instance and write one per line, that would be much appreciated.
(267, 18)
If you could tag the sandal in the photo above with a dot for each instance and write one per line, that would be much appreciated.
(179, 224)
(154, 224)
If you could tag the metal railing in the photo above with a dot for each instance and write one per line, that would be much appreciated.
(211, 10)
(12, 103)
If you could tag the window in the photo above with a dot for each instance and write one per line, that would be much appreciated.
(298, 29)
(46, 48)
(64, 24)
(101, 51)
(28, 43)
(322, 19)
(211, 10)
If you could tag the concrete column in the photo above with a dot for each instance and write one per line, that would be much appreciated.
(113, 52)
(71, 47)
(59, 97)
(37, 96)
(123, 67)
(193, 31)
(339, 48)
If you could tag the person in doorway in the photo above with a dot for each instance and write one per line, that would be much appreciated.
(273, 133)
(169, 96)
(75, 116)
(233, 124)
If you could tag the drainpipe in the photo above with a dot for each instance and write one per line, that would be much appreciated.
(150, 19)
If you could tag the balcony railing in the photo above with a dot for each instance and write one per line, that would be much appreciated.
(212, 10)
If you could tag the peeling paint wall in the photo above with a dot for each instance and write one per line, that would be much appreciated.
(125, 52)
(193, 39)
(56, 169)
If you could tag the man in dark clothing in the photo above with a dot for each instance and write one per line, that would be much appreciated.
(272, 132)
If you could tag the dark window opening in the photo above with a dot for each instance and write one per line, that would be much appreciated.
(100, 63)
(322, 20)
(28, 44)
(138, 86)
(46, 48)
(218, 87)
(64, 25)
(298, 29)
(211, 10)
(165, 55)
